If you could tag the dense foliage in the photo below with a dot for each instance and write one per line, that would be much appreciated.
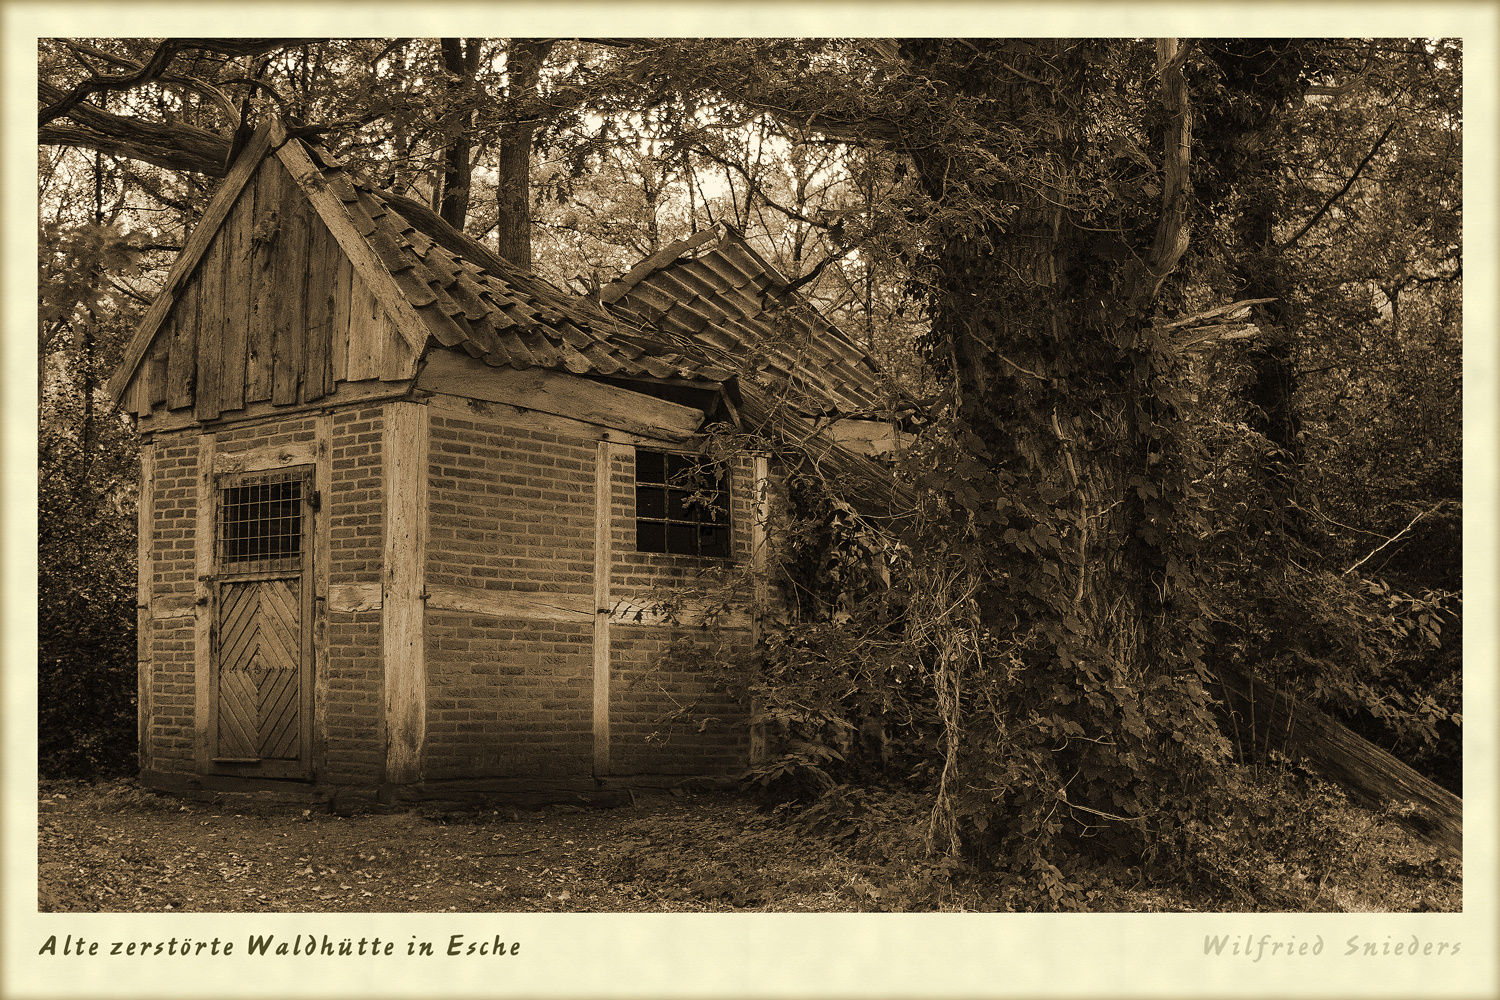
(1175, 324)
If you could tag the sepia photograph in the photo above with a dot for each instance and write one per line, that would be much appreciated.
(749, 475)
(790, 474)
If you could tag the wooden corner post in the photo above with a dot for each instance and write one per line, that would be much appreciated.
(143, 604)
(603, 556)
(205, 604)
(404, 447)
(760, 512)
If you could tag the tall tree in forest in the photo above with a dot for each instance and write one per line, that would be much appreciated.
(1304, 142)
(513, 189)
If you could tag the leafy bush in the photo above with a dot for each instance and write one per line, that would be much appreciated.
(86, 625)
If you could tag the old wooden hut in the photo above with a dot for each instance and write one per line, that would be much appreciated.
(404, 508)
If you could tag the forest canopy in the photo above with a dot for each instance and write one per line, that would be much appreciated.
(1176, 324)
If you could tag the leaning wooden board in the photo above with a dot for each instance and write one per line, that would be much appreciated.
(1371, 776)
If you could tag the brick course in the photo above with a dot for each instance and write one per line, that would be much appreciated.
(174, 515)
(355, 510)
(508, 697)
(354, 713)
(647, 734)
(173, 688)
(171, 672)
(510, 509)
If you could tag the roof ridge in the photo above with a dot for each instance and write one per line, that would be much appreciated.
(669, 254)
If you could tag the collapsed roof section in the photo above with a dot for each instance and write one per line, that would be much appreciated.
(712, 290)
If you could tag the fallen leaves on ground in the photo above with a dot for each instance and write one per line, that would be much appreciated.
(115, 847)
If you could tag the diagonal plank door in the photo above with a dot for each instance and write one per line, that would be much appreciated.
(260, 670)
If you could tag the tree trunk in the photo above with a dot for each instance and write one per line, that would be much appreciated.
(462, 60)
(1066, 461)
(513, 187)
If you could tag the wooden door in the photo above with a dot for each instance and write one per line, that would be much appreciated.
(262, 680)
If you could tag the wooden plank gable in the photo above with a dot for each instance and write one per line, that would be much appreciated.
(265, 282)
(290, 323)
(239, 174)
(209, 277)
(182, 354)
(265, 305)
(236, 246)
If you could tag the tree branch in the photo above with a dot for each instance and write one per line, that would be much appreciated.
(817, 270)
(155, 68)
(759, 190)
(1340, 192)
(1410, 524)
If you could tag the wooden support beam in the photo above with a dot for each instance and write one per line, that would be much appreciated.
(368, 393)
(404, 453)
(644, 610)
(531, 420)
(1267, 719)
(867, 437)
(603, 556)
(759, 515)
(317, 748)
(143, 618)
(353, 598)
(570, 608)
(172, 606)
(559, 393)
(267, 457)
(204, 675)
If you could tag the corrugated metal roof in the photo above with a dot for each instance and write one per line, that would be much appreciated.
(472, 300)
(715, 292)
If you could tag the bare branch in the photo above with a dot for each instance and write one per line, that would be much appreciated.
(817, 270)
(1226, 309)
(155, 69)
(1340, 192)
(1410, 524)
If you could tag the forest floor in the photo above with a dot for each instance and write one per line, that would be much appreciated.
(114, 847)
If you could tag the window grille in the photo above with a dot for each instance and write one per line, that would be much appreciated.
(681, 505)
(260, 523)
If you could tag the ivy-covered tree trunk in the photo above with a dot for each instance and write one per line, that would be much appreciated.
(1068, 508)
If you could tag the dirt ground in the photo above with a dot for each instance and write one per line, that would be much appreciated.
(113, 847)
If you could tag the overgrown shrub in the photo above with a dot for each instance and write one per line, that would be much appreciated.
(1283, 832)
(86, 615)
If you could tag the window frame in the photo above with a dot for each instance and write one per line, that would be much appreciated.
(290, 512)
(715, 519)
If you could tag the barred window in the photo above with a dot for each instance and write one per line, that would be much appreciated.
(260, 522)
(681, 505)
